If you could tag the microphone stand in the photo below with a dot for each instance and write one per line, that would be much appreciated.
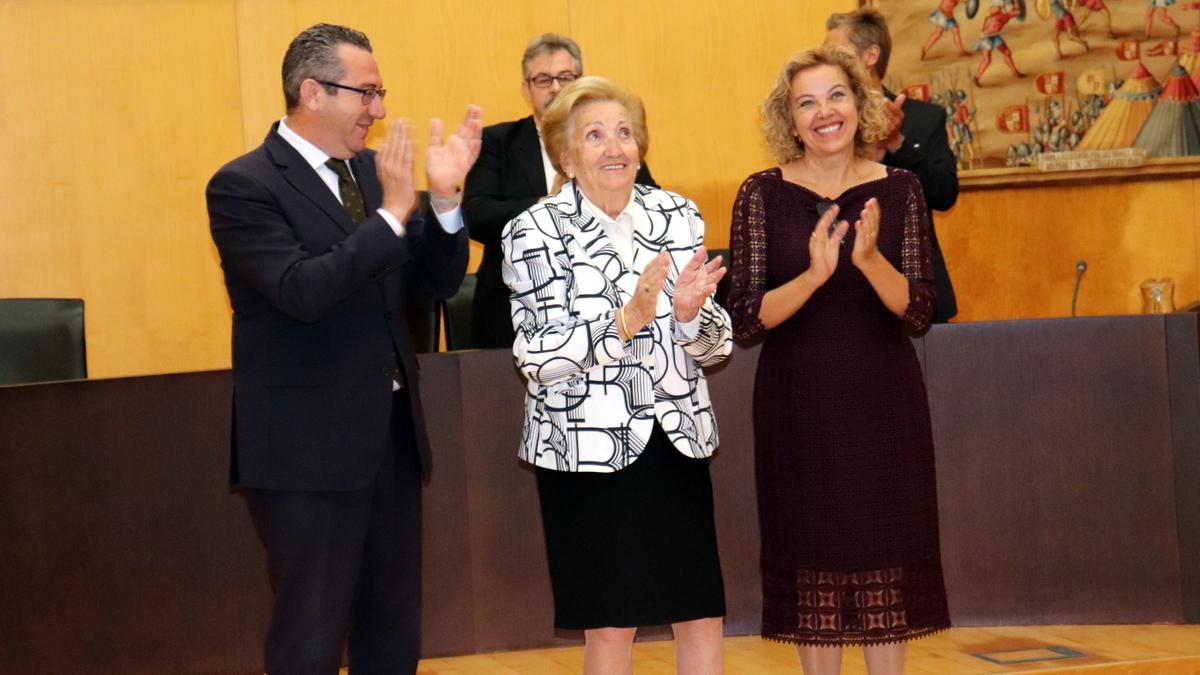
(1080, 268)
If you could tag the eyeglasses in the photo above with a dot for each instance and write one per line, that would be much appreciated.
(543, 81)
(368, 94)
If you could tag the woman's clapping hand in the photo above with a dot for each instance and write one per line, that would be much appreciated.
(695, 284)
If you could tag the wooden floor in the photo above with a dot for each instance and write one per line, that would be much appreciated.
(1086, 650)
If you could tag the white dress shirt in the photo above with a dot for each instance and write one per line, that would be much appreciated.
(620, 232)
(551, 173)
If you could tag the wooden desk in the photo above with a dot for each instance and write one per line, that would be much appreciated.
(1069, 486)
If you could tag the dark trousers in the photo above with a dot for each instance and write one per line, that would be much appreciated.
(347, 562)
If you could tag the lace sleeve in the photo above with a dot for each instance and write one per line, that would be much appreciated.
(915, 262)
(748, 260)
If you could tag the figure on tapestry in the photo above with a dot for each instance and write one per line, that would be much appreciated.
(1000, 12)
(943, 20)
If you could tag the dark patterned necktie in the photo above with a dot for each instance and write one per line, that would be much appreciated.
(352, 199)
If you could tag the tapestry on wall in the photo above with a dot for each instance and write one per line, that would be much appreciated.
(1050, 80)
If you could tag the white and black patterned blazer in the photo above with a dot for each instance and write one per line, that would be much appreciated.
(591, 400)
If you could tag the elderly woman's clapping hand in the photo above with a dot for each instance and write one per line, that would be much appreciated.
(641, 308)
(695, 284)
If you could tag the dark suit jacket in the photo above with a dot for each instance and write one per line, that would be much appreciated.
(507, 179)
(318, 318)
(926, 152)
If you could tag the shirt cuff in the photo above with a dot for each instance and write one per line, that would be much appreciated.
(451, 221)
(396, 225)
(686, 332)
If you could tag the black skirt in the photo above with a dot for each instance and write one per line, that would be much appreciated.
(637, 547)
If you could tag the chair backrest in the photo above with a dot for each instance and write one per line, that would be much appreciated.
(723, 284)
(457, 311)
(424, 313)
(41, 340)
(424, 322)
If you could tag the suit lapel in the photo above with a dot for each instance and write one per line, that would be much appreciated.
(304, 178)
(527, 153)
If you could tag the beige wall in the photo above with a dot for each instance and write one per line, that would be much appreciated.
(109, 141)
(1012, 252)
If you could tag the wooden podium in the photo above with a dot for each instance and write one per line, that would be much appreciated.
(1068, 471)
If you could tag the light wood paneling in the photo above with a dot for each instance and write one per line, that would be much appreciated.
(1182, 300)
(1128, 650)
(119, 112)
(1012, 252)
(116, 115)
(264, 29)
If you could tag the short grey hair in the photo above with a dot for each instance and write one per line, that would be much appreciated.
(314, 54)
(548, 43)
(557, 121)
(865, 27)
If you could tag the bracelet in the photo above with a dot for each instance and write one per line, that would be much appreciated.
(446, 203)
(623, 331)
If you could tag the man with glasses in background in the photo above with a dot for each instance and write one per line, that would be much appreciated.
(320, 240)
(512, 174)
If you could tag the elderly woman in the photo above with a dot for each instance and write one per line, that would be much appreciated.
(843, 448)
(612, 306)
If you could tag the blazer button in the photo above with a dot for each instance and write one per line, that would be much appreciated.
(648, 361)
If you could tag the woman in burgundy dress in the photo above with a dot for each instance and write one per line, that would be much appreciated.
(845, 466)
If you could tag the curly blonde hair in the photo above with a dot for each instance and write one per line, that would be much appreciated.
(556, 121)
(776, 110)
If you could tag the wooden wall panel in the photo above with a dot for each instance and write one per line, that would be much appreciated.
(119, 112)
(264, 29)
(1183, 300)
(1046, 475)
(116, 115)
(1012, 252)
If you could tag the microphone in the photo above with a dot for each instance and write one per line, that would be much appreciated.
(1080, 268)
(821, 208)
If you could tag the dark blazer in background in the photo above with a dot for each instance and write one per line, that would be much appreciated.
(319, 319)
(926, 152)
(508, 178)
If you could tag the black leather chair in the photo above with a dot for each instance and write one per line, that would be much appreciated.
(424, 322)
(41, 340)
(424, 313)
(457, 311)
(723, 284)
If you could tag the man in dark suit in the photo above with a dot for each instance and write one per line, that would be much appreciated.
(917, 140)
(512, 174)
(320, 240)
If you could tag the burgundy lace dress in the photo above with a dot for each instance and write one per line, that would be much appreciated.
(844, 454)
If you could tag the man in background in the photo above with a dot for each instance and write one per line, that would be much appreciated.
(512, 174)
